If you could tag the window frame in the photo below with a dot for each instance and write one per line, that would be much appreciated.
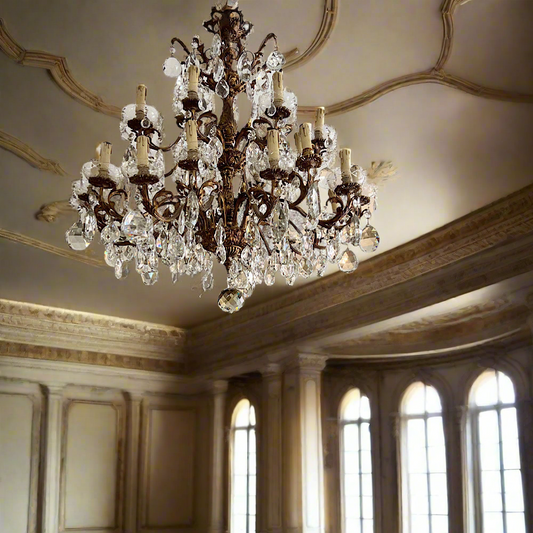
(233, 429)
(404, 418)
(342, 424)
(475, 498)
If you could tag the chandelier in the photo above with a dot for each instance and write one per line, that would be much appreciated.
(243, 196)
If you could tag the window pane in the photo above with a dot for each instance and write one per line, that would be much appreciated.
(251, 521)
(516, 523)
(352, 405)
(366, 462)
(365, 436)
(414, 402)
(351, 437)
(435, 431)
(439, 505)
(351, 486)
(437, 484)
(491, 482)
(242, 414)
(507, 394)
(490, 456)
(351, 463)
(239, 524)
(353, 525)
(488, 427)
(513, 491)
(368, 526)
(240, 452)
(365, 408)
(368, 511)
(493, 523)
(486, 389)
(366, 482)
(432, 401)
(492, 501)
(252, 416)
(418, 493)
(420, 524)
(417, 460)
(439, 524)
(416, 433)
(437, 459)
(509, 425)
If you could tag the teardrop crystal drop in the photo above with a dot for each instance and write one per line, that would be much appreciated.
(348, 261)
(222, 89)
(313, 201)
(369, 239)
(134, 225)
(192, 210)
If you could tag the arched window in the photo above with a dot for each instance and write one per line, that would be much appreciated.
(423, 452)
(496, 480)
(243, 469)
(356, 463)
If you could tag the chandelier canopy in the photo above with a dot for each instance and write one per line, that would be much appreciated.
(243, 196)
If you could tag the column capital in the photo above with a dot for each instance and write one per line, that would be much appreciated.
(271, 370)
(307, 362)
(134, 396)
(54, 390)
(219, 386)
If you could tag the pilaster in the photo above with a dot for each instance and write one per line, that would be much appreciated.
(52, 457)
(134, 404)
(302, 445)
(216, 496)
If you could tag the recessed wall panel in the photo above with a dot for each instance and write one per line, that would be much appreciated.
(16, 413)
(90, 471)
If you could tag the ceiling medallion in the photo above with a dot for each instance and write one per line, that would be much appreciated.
(244, 196)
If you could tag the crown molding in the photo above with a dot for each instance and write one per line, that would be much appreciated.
(59, 70)
(28, 154)
(89, 338)
(82, 257)
(484, 247)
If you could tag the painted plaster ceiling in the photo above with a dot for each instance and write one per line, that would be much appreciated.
(462, 141)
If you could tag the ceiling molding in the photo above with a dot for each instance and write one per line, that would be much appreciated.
(28, 154)
(474, 324)
(82, 257)
(58, 68)
(327, 25)
(436, 74)
(52, 211)
(484, 247)
(38, 325)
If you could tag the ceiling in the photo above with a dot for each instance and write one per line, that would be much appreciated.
(456, 151)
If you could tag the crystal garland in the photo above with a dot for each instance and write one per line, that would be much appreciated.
(240, 194)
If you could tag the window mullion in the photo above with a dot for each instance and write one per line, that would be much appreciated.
(428, 479)
(360, 475)
(502, 475)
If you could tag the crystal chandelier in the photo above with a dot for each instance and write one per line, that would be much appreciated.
(243, 196)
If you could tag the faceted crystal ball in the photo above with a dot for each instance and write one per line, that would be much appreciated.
(275, 61)
(369, 239)
(231, 300)
(76, 237)
(348, 261)
(172, 67)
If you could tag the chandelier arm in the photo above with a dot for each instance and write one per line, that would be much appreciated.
(181, 43)
(172, 170)
(163, 148)
(270, 36)
(243, 134)
(265, 242)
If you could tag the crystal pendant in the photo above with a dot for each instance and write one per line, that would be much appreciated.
(275, 61)
(244, 66)
(369, 239)
(250, 233)
(313, 201)
(270, 275)
(207, 281)
(231, 300)
(218, 69)
(75, 237)
(348, 261)
(220, 233)
(192, 210)
(110, 233)
(221, 253)
(280, 220)
(150, 277)
(110, 256)
(222, 89)
(216, 47)
(118, 269)
(134, 225)
(172, 67)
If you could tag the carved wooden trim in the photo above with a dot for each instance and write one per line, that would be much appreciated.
(27, 153)
(329, 19)
(59, 70)
(40, 245)
(52, 211)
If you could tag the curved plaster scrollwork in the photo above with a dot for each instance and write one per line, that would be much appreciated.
(34, 243)
(61, 74)
(28, 154)
(437, 74)
(51, 211)
(59, 70)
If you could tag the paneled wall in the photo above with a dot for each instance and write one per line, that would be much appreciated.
(93, 459)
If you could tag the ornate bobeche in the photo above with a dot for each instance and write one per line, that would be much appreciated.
(244, 196)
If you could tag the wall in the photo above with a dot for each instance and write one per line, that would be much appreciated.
(110, 454)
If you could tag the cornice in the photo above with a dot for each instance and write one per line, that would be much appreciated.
(481, 248)
(92, 336)
(45, 247)
(59, 70)
(28, 154)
